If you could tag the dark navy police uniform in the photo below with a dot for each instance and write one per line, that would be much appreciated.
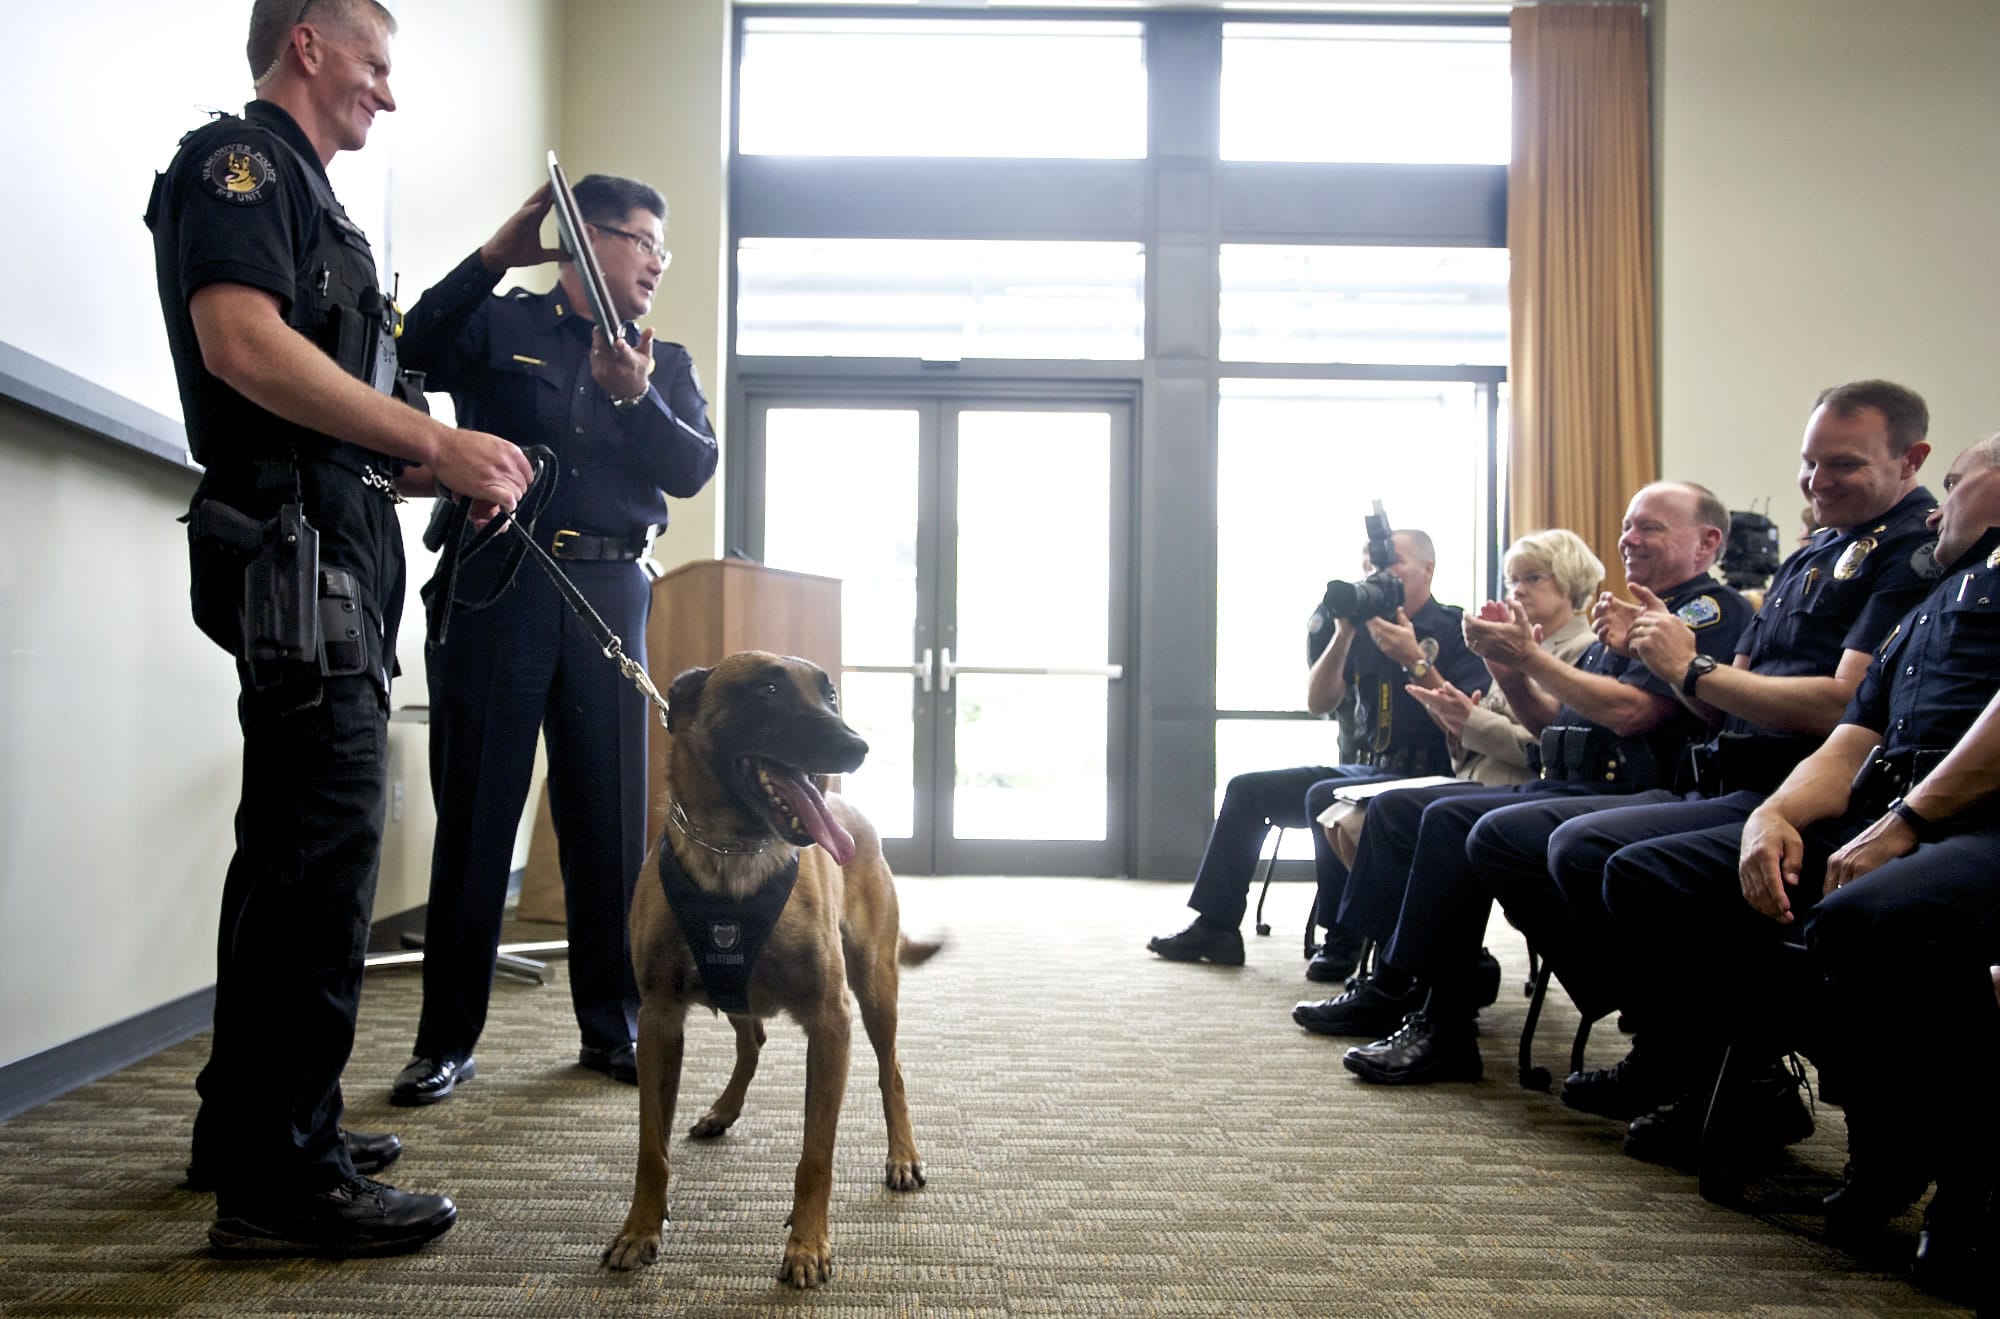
(1544, 862)
(1396, 737)
(1931, 678)
(519, 366)
(247, 202)
(1412, 886)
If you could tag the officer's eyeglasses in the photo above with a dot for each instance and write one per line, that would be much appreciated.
(648, 245)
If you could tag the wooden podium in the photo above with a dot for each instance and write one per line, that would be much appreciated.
(701, 612)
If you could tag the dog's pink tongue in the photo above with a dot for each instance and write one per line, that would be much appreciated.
(810, 807)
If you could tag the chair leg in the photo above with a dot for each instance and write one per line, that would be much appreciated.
(1270, 867)
(1533, 1077)
(1577, 1045)
(1719, 1166)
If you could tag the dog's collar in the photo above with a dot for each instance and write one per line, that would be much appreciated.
(727, 847)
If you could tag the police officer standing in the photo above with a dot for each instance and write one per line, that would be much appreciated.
(280, 340)
(628, 427)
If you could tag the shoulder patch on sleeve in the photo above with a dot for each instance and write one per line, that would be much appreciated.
(238, 173)
(1700, 612)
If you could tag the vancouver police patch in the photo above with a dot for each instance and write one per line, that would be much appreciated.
(1700, 612)
(238, 173)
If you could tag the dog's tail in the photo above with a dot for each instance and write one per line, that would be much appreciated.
(915, 952)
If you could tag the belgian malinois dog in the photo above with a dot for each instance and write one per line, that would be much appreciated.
(749, 735)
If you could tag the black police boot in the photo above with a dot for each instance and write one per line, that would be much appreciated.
(1204, 940)
(1365, 1009)
(1763, 1115)
(1631, 1087)
(368, 1151)
(1420, 1052)
(1333, 961)
(1871, 1194)
(1958, 1250)
(355, 1217)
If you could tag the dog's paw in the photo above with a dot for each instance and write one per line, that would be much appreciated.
(712, 1123)
(631, 1250)
(806, 1265)
(900, 1175)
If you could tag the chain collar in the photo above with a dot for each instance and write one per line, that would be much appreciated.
(731, 847)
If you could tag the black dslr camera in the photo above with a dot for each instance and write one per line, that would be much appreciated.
(1378, 595)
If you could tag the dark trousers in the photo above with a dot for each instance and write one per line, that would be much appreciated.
(1413, 887)
(1544, 864)
(1252, 805)
(1904, 951)
(527, 665)
(299, 894)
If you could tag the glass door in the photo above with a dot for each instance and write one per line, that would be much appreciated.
(981, 548)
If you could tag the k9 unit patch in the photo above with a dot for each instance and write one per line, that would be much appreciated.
(238, 173)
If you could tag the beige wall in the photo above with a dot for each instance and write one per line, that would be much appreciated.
(119, 764)
(645, 92)
(1829, 186)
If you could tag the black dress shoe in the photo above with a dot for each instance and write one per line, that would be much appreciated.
(1202, 941)
(1485, 980)
(368, 1151)
(1366, 1009)
(1631, 1087)
(1869, 1197)
(358, 1217)
(1333, 961)
(427, 1080)
(619, 1062)
(1420, 1052)
(1763, 1116)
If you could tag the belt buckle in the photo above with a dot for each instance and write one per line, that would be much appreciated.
(562, 542)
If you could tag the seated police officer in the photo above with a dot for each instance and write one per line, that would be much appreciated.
(1372, 658)
(1608, 726)
(1796, 666)
(1739, 891)
(282, 346)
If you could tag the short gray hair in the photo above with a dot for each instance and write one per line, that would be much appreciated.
(271, 21)
(1564, 556)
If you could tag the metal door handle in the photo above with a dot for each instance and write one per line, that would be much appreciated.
(921, 670)
(947, 667)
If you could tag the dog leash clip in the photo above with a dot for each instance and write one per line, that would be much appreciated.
(636, 674)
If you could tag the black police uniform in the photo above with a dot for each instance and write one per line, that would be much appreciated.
(1931, 678)
(1397, 739)
(518, 366)
(246, 201)
(1544, 861)
(1412, 886)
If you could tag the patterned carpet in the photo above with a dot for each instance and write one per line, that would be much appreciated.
(1105, 1134)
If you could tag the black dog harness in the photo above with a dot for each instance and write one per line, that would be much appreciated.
(725, 935)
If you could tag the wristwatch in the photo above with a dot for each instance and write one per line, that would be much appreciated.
(1418, 670)
(1698, 668)
(627, 404)
(1926, 830)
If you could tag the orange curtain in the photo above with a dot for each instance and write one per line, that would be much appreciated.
(1580, 239)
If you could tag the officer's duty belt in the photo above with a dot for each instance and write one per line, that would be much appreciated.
(1885, 777)
(567, 544)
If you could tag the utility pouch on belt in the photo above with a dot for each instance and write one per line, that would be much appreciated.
(343, 625)
(1591, 753)
(281, 591)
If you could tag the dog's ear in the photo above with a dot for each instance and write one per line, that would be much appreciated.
(683, 696)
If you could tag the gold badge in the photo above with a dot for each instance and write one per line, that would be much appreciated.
(1849, 566)
(1993, 559)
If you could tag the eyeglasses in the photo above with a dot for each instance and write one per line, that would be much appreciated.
(648, 245)
(1527, 579)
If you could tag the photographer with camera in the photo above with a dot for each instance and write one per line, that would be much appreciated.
(1388, 632)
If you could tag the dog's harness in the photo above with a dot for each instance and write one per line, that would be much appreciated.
(725, 934)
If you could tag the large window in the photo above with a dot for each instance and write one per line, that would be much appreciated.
(1409, 305)
(942, 87)
(1363, 92)
(939, 299)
